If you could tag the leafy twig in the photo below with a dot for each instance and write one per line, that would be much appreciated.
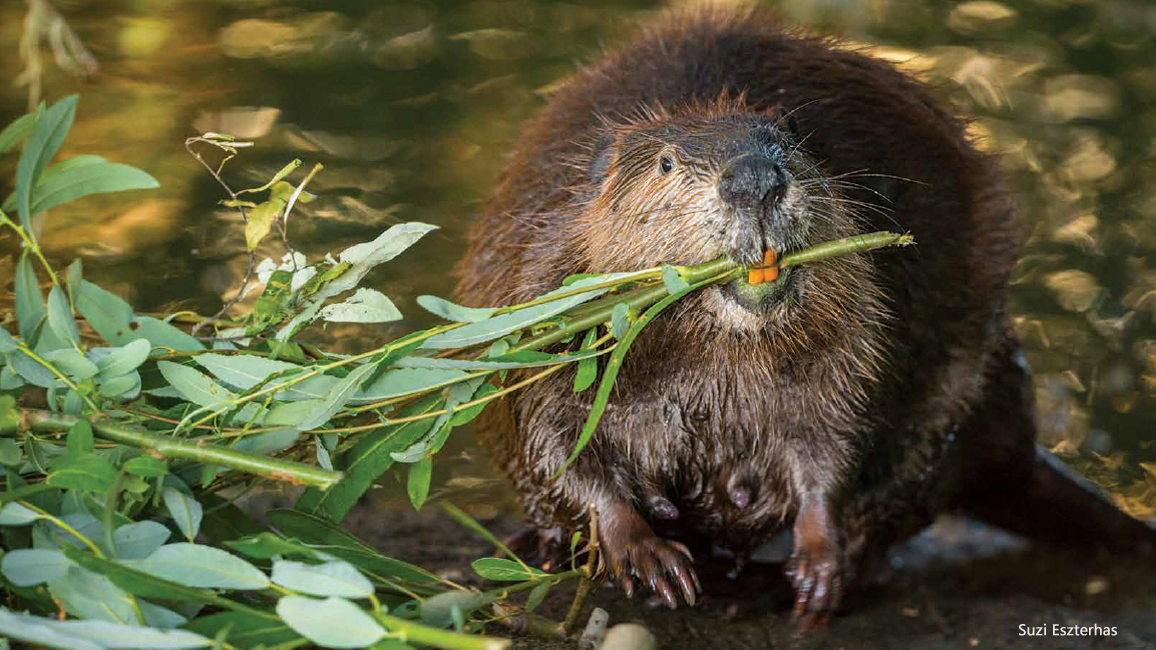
(229, 147)
(170, 447)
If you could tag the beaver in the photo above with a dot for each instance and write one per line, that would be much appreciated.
(849, 401)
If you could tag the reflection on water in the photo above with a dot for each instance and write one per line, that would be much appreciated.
(410, 106)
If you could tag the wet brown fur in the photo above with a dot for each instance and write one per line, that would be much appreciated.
(873, 390)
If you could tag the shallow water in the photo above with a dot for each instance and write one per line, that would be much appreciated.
(410, 107)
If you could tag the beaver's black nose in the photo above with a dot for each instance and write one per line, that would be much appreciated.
(753, 184)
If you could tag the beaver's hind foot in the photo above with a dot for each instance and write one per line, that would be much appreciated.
(816, 564)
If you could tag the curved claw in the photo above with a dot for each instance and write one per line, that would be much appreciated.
(627, 585)
(662, 588)
(666, 567)
(688, 584)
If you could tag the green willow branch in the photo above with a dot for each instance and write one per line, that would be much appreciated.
(599, 311)
(312, 372)
(575, 322)
(170, 447)
(501, 593)
(852, 244)
(637, 300)
(464, 405)
(424, 634)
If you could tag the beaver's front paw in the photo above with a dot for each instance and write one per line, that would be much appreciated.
(663, 565)
(816, 564)
(637, 556)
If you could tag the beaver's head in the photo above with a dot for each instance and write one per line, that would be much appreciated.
(689, 186)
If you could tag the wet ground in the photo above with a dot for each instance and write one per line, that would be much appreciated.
(958, 585)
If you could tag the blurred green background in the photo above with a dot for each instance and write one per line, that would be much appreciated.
(411, 105)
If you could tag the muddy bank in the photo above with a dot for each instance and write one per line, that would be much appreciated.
(958, 585)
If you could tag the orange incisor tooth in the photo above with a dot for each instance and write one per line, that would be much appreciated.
(770, 266)
(768, 272)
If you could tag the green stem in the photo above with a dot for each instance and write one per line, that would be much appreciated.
(25, 491)
(585, 316)
(439, 638)
(59, 375)
(317, 370)
(110, 510)
(645, 274)
(600, 311)
(68, 529)
(169, 447)
(552, 579)
(32, 245)
(853, 244)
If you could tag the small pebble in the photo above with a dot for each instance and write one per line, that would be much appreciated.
(595, 629)
(629, 636)
(1096, 585)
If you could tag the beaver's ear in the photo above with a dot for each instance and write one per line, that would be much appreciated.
(784, 119)
(601, 156)
(793, 126)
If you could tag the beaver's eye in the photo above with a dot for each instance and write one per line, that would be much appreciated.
(665, 164)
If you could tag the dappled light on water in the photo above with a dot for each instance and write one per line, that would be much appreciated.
(412, 108)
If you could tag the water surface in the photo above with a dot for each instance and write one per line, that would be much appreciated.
(411, 105)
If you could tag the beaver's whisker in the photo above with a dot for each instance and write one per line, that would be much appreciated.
(799, 145)
(852, 173)
(794, 110)
(824, 215)
(862, 204)
(827, 184)
(858, 208)
(814, 165)
(867, 174)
